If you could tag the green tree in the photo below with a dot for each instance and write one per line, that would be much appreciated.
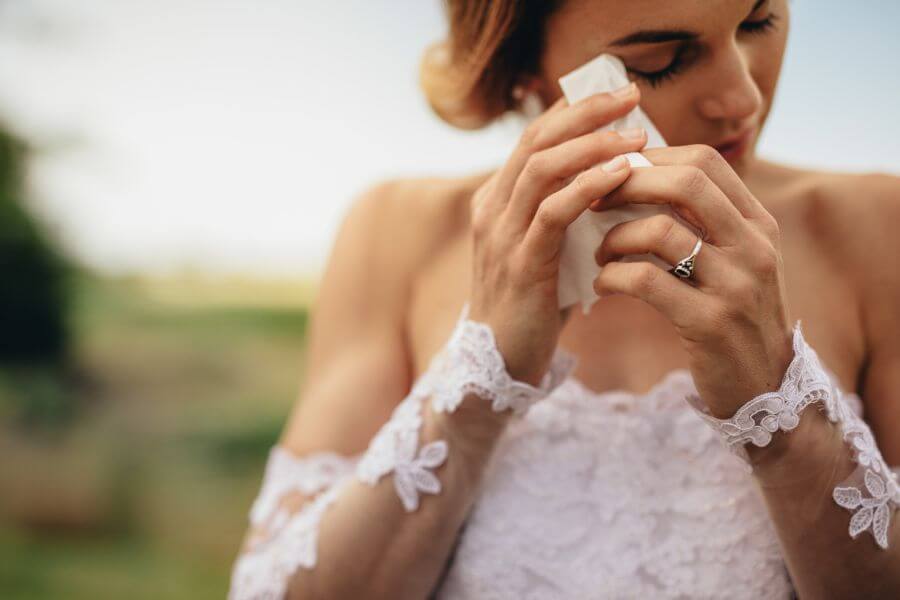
(33, 276)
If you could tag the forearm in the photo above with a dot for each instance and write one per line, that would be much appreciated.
(382, 524)
(369, 546)
(797, 474)
(827, 488)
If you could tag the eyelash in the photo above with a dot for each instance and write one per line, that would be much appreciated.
(659, 77)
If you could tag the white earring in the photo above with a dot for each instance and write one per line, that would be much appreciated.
(532, 106)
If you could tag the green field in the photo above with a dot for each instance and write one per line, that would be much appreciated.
(129, 473)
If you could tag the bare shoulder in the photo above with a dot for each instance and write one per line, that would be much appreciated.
(387, 237)
(405, 221)
(851, 217)
(357, 360)
(855, 218)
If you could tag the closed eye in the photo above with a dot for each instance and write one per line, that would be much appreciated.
(657, 78)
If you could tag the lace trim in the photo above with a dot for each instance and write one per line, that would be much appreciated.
(287, 473)
(872, 489)
(470, 362)
(394, 449)
(872, 475)
(283, 539)
(286, 539)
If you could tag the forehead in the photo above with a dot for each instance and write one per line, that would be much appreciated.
(608, 20)
(580, 29)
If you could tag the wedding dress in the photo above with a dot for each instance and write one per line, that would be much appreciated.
(587, 495)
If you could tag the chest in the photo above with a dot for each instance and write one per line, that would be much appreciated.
(644, 503)
(625, 344)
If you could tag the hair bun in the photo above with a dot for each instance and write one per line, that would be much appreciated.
(451, 92)
(468, 78)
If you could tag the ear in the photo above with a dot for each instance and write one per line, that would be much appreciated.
(535, 87)
(527, 84)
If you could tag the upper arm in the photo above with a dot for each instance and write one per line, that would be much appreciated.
(357, 364)
(878, 230)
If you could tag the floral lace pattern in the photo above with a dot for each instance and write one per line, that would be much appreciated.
(286, 539)
(805, 382)
(394, 449)
(470, 362)
(616, 495)
(612, 495)
(872, 475)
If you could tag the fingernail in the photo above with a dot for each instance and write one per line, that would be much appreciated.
(616, 164)
(633, 133)
(625, 91)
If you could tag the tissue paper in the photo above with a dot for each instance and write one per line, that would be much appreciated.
(577, 266)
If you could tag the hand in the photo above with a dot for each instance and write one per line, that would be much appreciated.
(732, 316)
(520, 214)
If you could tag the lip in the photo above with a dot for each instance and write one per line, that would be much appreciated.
(733, 148)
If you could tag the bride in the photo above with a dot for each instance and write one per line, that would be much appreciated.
(458, 436)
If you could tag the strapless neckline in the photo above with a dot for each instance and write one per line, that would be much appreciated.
(679, 377)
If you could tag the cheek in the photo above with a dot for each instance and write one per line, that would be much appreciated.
(667, 106)
(768, 53)
(765, 66)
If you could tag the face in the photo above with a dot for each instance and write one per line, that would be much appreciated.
(707, 69)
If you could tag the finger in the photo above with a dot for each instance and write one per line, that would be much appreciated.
(587, 115)
(692, 195)
(545, 233)
(561, 123)
(716, 168)
(549, 170)
(663, 236)
(663, 291)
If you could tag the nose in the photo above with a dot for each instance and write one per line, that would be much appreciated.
(733, 94)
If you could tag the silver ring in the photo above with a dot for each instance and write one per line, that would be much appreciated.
(684, 268)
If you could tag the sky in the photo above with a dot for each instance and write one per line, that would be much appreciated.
(231, 136)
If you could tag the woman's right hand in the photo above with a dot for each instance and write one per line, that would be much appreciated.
(520, 215)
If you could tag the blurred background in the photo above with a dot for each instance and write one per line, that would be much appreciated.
(171, 176)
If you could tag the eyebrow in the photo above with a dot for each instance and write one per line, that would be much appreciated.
(657, 36)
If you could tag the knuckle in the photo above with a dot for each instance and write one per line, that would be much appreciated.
(742, 289)
(583, 183)
(531, 136)
(645, 277)
(767, 261)
(662, 228)
(536, 166)
(703, 154)
(691, 180)
(479, 215)
(547, 219)
(771, 227)
(479, 223)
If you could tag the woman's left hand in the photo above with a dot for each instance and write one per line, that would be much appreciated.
(732, 315)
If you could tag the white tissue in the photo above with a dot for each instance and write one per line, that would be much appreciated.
(578, 269)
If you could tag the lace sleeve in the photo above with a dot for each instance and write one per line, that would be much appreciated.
(871, 491)
(296, 491)
(284, 520)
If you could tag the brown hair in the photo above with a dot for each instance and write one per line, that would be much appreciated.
(468, 78)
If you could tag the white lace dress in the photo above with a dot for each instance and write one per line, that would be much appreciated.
(587, 495)
(617, 495)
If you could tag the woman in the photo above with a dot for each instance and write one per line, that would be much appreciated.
(494, 470)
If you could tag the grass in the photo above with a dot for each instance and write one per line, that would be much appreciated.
(140, 488)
